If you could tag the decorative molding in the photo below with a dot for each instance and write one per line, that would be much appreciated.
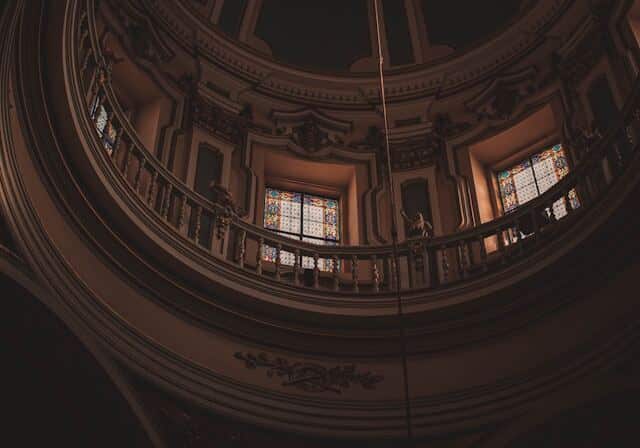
(445, 127)
(416, 152)
(500, 98)
(311, 129)
(304, 115)
(310, 377)
(445, 77)
(581, 53)
(220, 123)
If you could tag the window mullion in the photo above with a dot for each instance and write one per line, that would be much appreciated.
(301, 223)
(535, 179)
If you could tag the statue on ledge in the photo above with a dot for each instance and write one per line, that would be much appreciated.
(418, 226)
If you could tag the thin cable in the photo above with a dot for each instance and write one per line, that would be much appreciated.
(394, 230)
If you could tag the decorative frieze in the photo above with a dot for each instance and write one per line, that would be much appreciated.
(310, 377)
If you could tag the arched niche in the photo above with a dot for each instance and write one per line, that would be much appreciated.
(481, 157)
(351, 175)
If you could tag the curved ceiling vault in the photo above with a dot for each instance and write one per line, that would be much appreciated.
(337, 34)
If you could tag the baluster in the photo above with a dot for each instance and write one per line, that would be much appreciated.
(316, 271)
(336, 273)
(278, 261)
(151, 192)
(167, 200)
(127, 161)
(354, 273)
(483, 254)
(468, 252)
(375, 274)
(501, 248)
(296, 268)
(445, 264)
(242, 248)
(94, 90)
(105, 131)
(393, 277)
(583, 190)
(516, 229)
(411, 266)
(136, 183)
(99, 103)
(535, 223)
(460, 262)
(259, 256)
(183, 212)
(211, 227)
(116, 144)
(427, 267)
(196, 230)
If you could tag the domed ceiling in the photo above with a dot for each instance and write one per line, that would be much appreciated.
(339, 35)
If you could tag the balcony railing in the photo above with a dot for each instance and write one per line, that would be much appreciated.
(215, 229)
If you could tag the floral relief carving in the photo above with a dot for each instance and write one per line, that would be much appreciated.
(310, 377)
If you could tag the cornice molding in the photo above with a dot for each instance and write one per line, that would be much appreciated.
(443, 77)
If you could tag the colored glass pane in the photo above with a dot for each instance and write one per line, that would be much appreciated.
(301, 216)
(532, 177)
(105, 129)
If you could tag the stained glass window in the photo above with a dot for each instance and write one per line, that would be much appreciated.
(301, 216)
(532, 177)
(104, 127)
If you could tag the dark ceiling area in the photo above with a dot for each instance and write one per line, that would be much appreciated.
(325, 34)
(332, 35)
(461, 23)
(56, 392)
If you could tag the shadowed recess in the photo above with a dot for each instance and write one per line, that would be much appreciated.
(398, 36)
(58, 394)
(459, 23)
(325, 34)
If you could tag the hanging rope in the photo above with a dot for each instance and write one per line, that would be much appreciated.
(394, 229)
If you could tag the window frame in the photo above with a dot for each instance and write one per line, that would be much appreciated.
(528, 158)
(301, 236)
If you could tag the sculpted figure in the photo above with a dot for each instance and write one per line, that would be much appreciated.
(418, 226)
